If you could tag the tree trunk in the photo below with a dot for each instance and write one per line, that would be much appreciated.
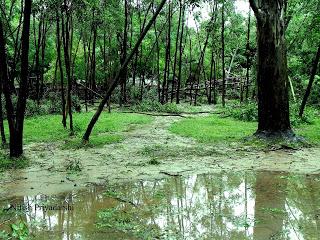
(67, 47)
(176, 52)
(63, 100)
(222, 55)
(211, 76)
(16, 148)
(124, 74)
(3, 135)
(248, 57)
(167, 61)
(5, 83)
(312, 76)
(272, 78)
(93, 60)
(181, 55)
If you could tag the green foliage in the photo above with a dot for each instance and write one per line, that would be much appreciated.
(20, 231)
(309, 116)
(51, 104)
(245, 112)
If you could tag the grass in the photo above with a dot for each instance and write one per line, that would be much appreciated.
(107, 130)
(48, 128)
(214, 129)
(310, 131)
(7, 163)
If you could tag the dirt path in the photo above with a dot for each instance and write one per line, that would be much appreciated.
(149, 152)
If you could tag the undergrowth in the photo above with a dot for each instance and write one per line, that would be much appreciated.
(249, 113)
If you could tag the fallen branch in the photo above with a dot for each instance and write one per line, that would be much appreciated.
(159, 114)
(170, 174)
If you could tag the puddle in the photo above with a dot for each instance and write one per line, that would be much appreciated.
(263, 205)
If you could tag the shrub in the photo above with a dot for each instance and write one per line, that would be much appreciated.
(249, 113)
(51, 104)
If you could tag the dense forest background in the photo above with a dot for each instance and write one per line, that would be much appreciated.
(199, 52)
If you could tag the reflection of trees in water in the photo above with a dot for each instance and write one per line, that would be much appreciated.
(303, 205)
(269, 206)
(221, 206)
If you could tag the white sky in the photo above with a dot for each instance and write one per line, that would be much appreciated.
(242, 6)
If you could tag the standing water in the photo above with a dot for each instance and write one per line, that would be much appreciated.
(264, 205)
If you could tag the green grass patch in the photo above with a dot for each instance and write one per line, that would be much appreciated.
(218, 128)
(213, 129)
(310, 131)
(7, 163)
(107, 130)
(96, 141)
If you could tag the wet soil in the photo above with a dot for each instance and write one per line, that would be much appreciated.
(147, 153)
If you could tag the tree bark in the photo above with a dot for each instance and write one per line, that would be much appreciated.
(67, 47)
(5, 83)
(124, 74)
(272, 76)
(181, 55)
(16, 146)
(176, 52)
(165, 83)
(63, 100)
(222, 55)
(248, 57)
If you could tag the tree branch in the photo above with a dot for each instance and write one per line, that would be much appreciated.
(257, 11)
(254, 6)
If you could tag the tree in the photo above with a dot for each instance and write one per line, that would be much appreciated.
(272, 76)
(223, 54)
(16, 116)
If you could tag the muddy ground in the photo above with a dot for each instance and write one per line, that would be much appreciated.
(148, 152)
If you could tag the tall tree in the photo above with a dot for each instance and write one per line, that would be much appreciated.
(248, 56)
(223, 53)
(180, 52)
(272, 76)
(124, 50)
(63, 99)
(16, 118)
(67, 47)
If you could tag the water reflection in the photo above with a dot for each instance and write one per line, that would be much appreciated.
(223, 206)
